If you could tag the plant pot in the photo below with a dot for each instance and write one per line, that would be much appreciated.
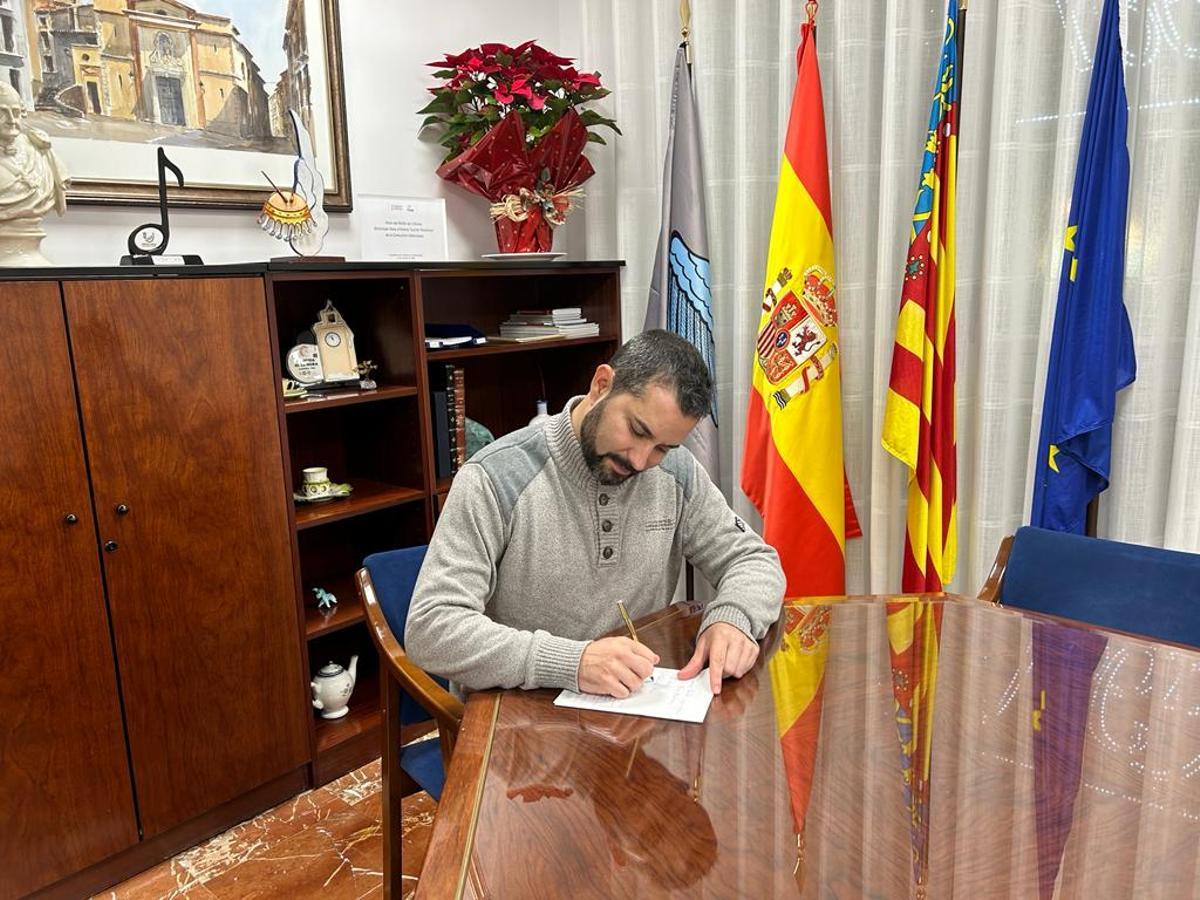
(531, 235)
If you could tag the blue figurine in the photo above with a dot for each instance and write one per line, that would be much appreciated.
(325, 600)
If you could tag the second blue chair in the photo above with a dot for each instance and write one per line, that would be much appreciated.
(1128, 587)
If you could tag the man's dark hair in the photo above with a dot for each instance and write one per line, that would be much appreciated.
(664, 358)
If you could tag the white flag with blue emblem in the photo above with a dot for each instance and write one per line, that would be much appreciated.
(680, 285)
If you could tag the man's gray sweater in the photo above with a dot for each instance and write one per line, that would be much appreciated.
(531, 554)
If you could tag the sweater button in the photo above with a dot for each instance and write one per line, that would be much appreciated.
(603, 499)
(607, 553)
(606, 525)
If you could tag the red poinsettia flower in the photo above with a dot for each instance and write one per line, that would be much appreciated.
(528, 81)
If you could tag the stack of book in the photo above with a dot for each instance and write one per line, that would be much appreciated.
(449, 418)
(542, 324)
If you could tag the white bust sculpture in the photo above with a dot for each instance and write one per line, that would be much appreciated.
(32, 182)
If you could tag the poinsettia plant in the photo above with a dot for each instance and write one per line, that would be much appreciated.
(515, 135)
(481, 85)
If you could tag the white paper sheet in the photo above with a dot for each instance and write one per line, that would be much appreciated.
(663, 696)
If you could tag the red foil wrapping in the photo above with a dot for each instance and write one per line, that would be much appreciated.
(532, 183)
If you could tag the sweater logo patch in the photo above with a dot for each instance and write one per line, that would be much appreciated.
(660, 525)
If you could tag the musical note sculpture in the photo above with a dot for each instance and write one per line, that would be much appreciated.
(148, 242)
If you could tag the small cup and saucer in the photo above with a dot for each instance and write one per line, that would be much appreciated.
(317, 488)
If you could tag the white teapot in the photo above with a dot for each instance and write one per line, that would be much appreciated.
(331, 688)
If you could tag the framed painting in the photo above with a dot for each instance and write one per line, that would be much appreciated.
(209, 81)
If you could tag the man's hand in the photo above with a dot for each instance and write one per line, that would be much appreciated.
(616, 666)
(727, 651)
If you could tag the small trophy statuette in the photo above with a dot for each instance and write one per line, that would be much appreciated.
(365, 381)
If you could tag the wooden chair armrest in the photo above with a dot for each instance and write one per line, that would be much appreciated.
(436, 700)
(990, 592)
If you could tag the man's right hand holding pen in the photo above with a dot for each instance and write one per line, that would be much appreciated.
(616, 666)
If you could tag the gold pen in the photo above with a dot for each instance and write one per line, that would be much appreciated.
(628, 621)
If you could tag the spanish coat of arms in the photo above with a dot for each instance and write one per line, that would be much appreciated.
(794, 345)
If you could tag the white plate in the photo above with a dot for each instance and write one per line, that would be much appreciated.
(524, 257)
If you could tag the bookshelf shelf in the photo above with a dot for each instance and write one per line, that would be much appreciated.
(368, 496)
(349, 397)
(349, 610)
(496, 349)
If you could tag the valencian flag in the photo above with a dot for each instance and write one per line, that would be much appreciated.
(918, 421)
(798, 684)
(793, 469)
(914, 629)
(1091, 351)
(1064, 663)
(680, 286)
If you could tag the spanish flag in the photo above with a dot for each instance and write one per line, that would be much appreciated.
(918, 421)
(792, 468)
(798, 684)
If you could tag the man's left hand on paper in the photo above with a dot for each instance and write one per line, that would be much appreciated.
(728, 652)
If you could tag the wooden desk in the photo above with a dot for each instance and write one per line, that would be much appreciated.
(1056, 751)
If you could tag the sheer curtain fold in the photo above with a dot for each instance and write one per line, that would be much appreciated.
(1026, 70)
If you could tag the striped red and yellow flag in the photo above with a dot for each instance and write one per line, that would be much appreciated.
(918, 422)
(914, 634)
(792, 468)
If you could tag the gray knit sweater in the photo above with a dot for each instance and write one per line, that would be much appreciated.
(531, 554)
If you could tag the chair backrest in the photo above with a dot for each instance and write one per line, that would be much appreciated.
(394, 575)
(1128, 587)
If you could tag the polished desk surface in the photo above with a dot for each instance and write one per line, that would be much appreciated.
(1037, 756)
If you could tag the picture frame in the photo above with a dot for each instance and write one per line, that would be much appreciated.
(208, 80)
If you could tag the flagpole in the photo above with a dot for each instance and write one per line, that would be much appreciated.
(960, 40)
(685, 28)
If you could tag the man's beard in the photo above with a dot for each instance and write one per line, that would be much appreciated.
(595, 460)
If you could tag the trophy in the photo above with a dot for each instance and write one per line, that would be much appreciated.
(148, 242)
(324, 356)
(335, 341)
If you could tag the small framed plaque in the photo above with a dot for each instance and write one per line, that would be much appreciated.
(304, 364)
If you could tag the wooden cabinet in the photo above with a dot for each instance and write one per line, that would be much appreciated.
(178, 405)
(62, 745)
(152, 670)
(157, 626)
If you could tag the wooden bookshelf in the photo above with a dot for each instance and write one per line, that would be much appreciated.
(506, 347)
(382, 442)
(368, 496)
(347, 397)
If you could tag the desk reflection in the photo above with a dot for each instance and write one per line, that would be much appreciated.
(891, 747)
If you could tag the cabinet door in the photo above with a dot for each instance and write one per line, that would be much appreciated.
(179, 410)
(64, 772)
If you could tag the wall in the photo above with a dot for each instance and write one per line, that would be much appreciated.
(385, 45)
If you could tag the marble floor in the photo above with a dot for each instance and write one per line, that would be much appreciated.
(324, 843)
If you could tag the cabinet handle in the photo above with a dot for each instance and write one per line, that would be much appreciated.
(71, 518)
(122, 509)
(110, 546)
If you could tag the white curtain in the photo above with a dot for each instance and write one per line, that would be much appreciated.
(1026, 69)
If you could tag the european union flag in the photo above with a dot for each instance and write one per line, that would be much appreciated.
(1091, 352)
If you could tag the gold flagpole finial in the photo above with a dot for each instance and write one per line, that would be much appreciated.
(685, 27)
(810, 8)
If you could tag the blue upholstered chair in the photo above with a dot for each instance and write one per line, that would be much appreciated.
(409, 696)
(1140, 590)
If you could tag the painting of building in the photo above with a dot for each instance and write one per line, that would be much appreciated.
(15, 48)
(159, 69)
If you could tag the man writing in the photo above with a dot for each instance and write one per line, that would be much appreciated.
(547, 528)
